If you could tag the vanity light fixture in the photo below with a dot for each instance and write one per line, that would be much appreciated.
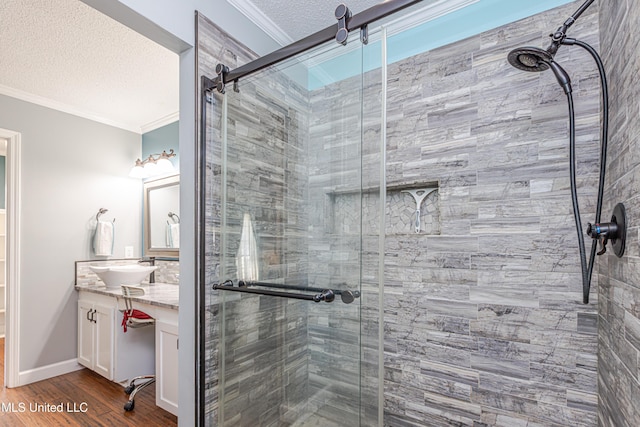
(155, 164)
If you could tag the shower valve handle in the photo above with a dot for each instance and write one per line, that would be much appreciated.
(603, 232)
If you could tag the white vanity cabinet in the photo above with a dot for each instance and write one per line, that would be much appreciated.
(105, 348)
(167, 366)
(95, 337)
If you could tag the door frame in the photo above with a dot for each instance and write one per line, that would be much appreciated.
(12, 263)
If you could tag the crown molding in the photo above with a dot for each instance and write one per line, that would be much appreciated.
(262, 21)
(425, 14)
(163, 121)
(65, 108)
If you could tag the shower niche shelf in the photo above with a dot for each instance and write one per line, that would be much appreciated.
(342, 209)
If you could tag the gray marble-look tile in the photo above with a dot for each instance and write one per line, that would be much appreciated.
(492, 296)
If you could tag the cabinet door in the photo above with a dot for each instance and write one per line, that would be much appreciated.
(167, 366)
(85, 334)
(103, 340)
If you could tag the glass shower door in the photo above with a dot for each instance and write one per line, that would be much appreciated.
(291, 234)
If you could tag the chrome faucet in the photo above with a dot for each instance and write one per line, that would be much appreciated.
(150, 261)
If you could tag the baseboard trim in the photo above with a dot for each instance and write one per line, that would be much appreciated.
(49, 371)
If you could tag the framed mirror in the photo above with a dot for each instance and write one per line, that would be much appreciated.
(162, 217)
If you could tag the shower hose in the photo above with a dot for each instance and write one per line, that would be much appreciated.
(587, 268)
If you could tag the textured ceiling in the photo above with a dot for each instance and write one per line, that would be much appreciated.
(68, 55)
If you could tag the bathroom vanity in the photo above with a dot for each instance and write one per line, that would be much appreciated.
(105, 348)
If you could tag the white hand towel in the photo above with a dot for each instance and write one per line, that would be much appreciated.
(247, 256)
(103, 238)
(175, 235)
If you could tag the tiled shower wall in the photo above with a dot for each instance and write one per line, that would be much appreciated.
(214, 46)
(483, 317)
(484, 323)
(345, 250)
(266, 344)
(286, 361)
(619, 293)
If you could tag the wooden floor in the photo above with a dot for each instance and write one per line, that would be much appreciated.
(87, 400)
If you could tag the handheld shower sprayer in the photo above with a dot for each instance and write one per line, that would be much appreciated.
(534, 59)
(561, 76)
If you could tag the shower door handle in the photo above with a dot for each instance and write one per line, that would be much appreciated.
(321, 295)
(346, 295)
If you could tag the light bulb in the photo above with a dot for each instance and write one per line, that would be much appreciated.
(164, 165)
(151, 168)
(137, 172)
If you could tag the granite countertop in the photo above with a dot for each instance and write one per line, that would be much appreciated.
(158, 294)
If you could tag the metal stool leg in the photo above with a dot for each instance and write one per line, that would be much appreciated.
(132, 389)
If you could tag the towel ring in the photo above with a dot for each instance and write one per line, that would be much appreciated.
(174, 217)
(102, 211)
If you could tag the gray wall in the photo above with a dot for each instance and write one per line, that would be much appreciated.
(484, 323)
(70, 168)
(619, 307)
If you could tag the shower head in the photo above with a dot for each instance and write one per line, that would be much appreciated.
(535, 59)
(530, 59)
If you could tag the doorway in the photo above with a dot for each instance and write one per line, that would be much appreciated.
(9, 251)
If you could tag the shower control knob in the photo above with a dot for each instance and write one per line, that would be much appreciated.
(600, 229)
(614, 231)
(601, 232)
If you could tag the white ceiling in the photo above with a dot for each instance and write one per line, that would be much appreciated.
(66, 55)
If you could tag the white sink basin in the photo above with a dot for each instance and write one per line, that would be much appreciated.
(115, 275)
